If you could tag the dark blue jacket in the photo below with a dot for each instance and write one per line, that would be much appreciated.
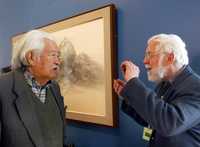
(175, 118)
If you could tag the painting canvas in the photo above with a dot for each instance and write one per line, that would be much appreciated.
(87, 64)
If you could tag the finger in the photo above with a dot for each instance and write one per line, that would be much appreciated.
(119, 90)
(126, 64)
(115, 85)
(121, 83)
(123, 64)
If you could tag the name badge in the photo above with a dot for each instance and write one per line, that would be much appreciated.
(147, 132)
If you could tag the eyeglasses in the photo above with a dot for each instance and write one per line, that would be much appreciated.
(54, 55)
(152, 54)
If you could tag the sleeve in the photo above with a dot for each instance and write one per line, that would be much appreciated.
(167, 119)
(130, 111)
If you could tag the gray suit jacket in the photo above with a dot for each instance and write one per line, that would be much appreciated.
(175, 118)
(19, 126)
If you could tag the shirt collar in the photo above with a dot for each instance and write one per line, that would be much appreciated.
(33, 83)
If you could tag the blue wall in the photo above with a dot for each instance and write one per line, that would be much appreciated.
(137, 20)
(12, 21)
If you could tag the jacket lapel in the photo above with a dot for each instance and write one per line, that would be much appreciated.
(26, 109)
(59, 99)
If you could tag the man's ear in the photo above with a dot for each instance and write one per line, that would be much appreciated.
(30, 58)
(170, 58)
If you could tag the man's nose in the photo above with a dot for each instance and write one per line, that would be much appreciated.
(146, 61)
(57, 61)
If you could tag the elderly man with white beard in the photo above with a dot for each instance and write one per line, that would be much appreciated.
(170, 114)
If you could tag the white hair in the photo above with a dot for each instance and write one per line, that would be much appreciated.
(31, 41)
(172, 43)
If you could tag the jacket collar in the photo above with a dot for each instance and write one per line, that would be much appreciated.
(25, 109)
(165, 88)
(187, 71)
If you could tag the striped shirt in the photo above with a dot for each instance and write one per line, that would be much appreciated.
(37, 89)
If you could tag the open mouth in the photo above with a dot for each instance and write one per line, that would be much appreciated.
(56, 68)
(148, 68)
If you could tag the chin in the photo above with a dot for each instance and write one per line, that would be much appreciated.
(157, 75)
(52, 77)
(53, 74)
(154, 78)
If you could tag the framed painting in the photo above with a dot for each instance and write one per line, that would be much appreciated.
(88, 64)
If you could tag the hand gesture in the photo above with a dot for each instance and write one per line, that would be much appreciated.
(129, 70)
(118, 85)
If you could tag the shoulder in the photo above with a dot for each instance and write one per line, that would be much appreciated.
(194, 78)
(6, 80)
(189, 84)
(6, 86)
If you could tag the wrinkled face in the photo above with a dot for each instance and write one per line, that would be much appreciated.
(45, 66)
(154, 61)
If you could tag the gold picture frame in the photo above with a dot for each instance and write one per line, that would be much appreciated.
(89, 50)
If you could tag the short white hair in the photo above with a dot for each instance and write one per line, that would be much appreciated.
(32, 40)
(172, 43)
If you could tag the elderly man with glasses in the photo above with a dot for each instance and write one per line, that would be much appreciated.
(171, 112)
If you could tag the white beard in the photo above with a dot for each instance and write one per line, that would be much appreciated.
(156, 75)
